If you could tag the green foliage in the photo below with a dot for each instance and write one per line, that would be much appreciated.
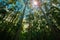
(42, 25)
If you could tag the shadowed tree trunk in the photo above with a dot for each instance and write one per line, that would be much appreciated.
(20, 26)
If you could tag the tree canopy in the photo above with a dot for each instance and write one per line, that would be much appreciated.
(29, 20)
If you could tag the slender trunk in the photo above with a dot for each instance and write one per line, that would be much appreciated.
(53, 27)
(20, 25)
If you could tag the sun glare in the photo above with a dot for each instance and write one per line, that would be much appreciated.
(35, 3)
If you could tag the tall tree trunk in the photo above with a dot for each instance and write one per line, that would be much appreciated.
(20, 25)
(53, 27)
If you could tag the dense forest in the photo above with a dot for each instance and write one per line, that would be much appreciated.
(29, 19)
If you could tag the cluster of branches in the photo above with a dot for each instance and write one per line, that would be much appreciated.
(43, 25)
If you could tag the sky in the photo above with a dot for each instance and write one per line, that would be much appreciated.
(19, 6)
